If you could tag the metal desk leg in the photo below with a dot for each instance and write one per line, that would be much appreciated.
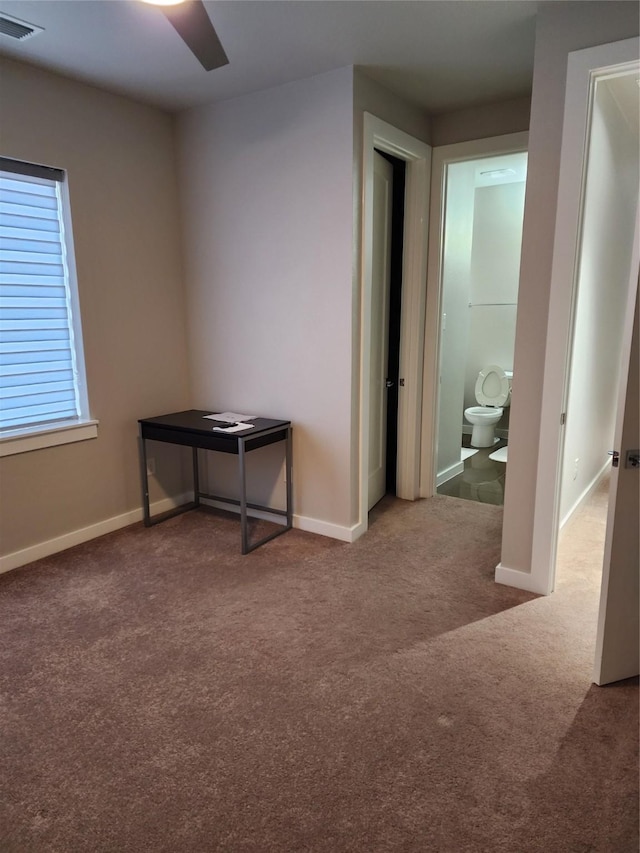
(144, 478)
(289, 476)
(196, 478)
(243, 496)
(149, 521)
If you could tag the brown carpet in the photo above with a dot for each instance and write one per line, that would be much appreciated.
(159, 692)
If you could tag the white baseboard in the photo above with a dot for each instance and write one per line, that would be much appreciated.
(449, 473)
(76, 537)
(300, 522)
(326, 528)
(586, 494)
(84, 534)
(520, 580)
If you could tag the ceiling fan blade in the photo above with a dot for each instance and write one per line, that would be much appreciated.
(194, 26)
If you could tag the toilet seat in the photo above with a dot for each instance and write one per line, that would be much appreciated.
(492, 386)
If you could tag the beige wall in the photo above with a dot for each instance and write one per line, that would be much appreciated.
(372, 97)
(272, 183)
(267, 207)
(481, 122)
(561, 27)
(121, 171)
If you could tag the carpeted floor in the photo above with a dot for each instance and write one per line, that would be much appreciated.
(159, 692)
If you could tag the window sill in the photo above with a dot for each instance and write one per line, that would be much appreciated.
(49, 435)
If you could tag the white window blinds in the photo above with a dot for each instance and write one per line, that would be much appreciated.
(38, 364)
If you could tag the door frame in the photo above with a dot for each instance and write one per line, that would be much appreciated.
(417, 155)
(443, 156)
(584, 66)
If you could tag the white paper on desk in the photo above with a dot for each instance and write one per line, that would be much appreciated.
(231, 417)
(236, 428)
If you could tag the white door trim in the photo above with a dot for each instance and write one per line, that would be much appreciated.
(583, 67)
(383, 136)
(442, 156)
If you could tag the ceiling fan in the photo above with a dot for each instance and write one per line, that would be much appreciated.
(191, 21)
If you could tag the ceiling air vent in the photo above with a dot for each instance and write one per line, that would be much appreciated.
(16, 29)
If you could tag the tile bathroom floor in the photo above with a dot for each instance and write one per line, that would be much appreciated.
(482, 479)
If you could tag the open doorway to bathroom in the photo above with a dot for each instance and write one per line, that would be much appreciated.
(480, 263)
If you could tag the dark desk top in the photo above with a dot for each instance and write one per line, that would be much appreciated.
(194, 421)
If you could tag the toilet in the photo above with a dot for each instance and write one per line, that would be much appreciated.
(493, 393)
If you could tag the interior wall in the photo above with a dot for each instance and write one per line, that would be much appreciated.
(372, 97)
(454, 322)
(481, 122)
(611, 199)
(561, 27)
(267, 215)
(494, 277)
(120, 160)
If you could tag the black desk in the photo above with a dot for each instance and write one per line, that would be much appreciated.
(191, 429)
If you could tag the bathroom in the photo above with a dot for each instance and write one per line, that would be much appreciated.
(480, 273)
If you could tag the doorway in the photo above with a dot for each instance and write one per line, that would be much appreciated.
(600, 303)
(573, 258)
(386, 306)
(399, 168)
(471, 306)
(383, 137)
(578, 254)
(481, 243)
(602, 363)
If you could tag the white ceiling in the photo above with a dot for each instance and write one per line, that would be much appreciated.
(440, 54)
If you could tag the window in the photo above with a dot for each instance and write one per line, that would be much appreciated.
(42, 379)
